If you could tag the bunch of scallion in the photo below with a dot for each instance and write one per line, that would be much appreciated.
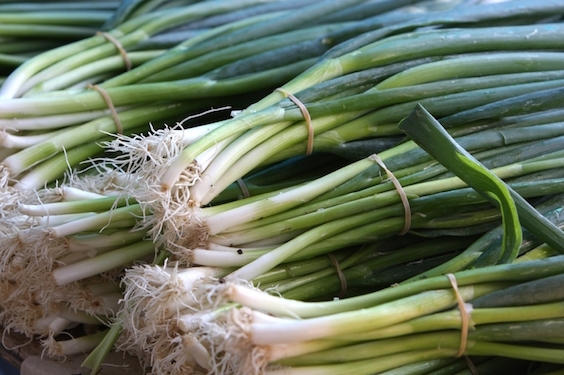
(330, 179)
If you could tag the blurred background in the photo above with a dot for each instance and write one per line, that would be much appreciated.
(7, 369)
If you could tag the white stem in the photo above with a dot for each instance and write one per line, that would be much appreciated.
(280, 351)
(239, 145)
(224, 259)
(8, 140)
(217, 247)
(58, 208)
(233, 128)
(208, 156)
(268, 149)
(77, 257)
(266, 243)
(286, 200)
(191, 135)
(331, 326)
(198, 351)
(51, 122)
(79, 345)
(274, 257)
(102, 263)
(95, 221)
(80, 243)
(257, 238)
(56, 220)
(270, 304)
(75, 194)
(58, 325)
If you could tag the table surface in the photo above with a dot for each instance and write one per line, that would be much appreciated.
(14, 352)
(28, 359)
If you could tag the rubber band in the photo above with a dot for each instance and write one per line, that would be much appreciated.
(110, 105)
(243, 188)
(307, 118)
(464, 316)
(341, 275)
(471, 366)
(402, 194)
(119, 47)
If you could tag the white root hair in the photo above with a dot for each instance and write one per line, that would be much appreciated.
(169, 216)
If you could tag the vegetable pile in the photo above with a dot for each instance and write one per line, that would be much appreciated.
(285, 187)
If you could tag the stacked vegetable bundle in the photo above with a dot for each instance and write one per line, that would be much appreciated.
(28, 31)
(308, 227)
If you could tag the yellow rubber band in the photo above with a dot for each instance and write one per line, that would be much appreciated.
(464, 316)
(119, 47)
(110, 104)
(401, 192)
(307, 118)
(341, 275)
(243, 188)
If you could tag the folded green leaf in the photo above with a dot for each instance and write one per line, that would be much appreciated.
(431, 136)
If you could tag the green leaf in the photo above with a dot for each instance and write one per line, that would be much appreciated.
(97, 356)
(428, 133)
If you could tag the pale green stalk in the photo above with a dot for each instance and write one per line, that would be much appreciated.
(75, 206)
(332, 326)
(369, 366)
(75, 345)
(105, 262)
(110, 64)
(97, 221)
(519, 271)
(452, 320)
(51, 122)
(286, 200)
(88, 132)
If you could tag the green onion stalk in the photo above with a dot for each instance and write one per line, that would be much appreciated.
(255, 21)
(69, 77)
(242, 271)
(339, 66)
